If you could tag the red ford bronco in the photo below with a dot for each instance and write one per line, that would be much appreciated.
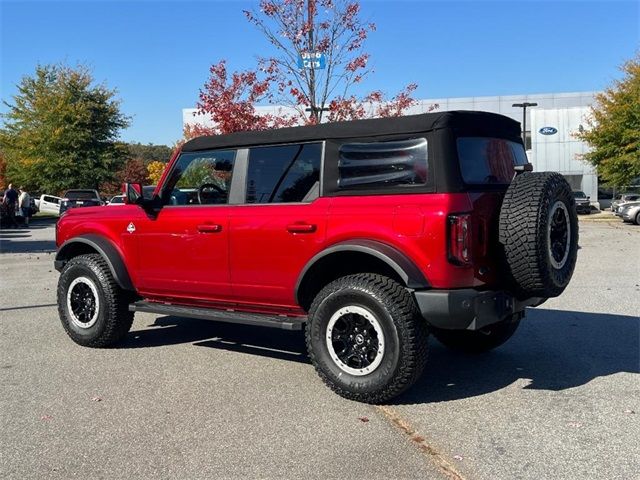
(373, 234)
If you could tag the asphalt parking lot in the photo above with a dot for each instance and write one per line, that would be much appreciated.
(196, 399)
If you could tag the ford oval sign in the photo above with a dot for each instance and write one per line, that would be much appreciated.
(548, 130)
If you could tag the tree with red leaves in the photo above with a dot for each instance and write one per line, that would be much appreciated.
(230, 101)
(133, 171)
(296, 27)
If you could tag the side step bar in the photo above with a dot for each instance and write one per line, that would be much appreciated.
(273, 321)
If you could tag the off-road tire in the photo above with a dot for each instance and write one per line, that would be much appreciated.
(476, 341)
(113, 316)
(405, 337)
(525, 241)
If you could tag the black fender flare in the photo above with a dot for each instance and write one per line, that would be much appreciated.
(102, 246)
(398, 261)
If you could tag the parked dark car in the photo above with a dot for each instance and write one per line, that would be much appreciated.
(583, 205)
(4, 215)
(80, 198)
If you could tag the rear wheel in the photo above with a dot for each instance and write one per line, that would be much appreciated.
(93, 309)
(365, 338)
(477, 341)
(638, 218)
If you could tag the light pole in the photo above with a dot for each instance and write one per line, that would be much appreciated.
(524, 106)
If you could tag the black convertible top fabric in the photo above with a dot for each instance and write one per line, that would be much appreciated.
(459, 120)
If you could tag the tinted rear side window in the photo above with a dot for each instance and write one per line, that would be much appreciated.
(283, 174)
(489, 160)
(380, 164)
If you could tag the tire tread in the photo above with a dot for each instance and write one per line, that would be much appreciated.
(118, 318)
(412, 332)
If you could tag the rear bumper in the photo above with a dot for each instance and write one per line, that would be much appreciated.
(583, 208)
(469, 309)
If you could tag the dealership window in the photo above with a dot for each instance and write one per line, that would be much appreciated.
(284, 174)
(383, 164)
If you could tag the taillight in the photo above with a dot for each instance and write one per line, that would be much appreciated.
(460, 238)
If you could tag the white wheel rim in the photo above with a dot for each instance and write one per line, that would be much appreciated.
(553, 227)
(359, 342)
(72, 303)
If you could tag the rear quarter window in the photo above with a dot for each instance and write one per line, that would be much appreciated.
(395, 163)
(485, 160)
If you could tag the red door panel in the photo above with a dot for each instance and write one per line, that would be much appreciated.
(184, 252)
(270, 245)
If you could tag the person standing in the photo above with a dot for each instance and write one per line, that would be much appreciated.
(10, 199)
(24, 204)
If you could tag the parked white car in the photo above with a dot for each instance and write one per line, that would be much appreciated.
(48, 204)
(115, 201)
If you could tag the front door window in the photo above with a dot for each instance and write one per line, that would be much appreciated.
(200, 178)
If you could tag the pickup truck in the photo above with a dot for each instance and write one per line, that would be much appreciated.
(80, 198)
(48, 204)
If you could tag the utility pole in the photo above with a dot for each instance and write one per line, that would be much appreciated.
(524, 106)
(311, 13)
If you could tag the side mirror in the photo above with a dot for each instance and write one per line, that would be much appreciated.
(588, 197)
(527, 167)
(132, 193)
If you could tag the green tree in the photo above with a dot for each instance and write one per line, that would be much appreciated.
(60, 131)
(614, 128)
(149, 153)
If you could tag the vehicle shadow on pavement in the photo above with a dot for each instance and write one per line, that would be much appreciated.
(37, 223)
(266, 342)
(15, 244)
(552, 350)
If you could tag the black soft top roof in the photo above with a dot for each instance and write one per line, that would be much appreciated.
(470, 121)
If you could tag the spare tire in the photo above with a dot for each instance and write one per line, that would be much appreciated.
(539, 234)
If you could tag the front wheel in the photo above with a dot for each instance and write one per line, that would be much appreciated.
(477, 341)
(365, 338)
(93, 309)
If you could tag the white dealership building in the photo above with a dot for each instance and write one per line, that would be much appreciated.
(550, 128)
